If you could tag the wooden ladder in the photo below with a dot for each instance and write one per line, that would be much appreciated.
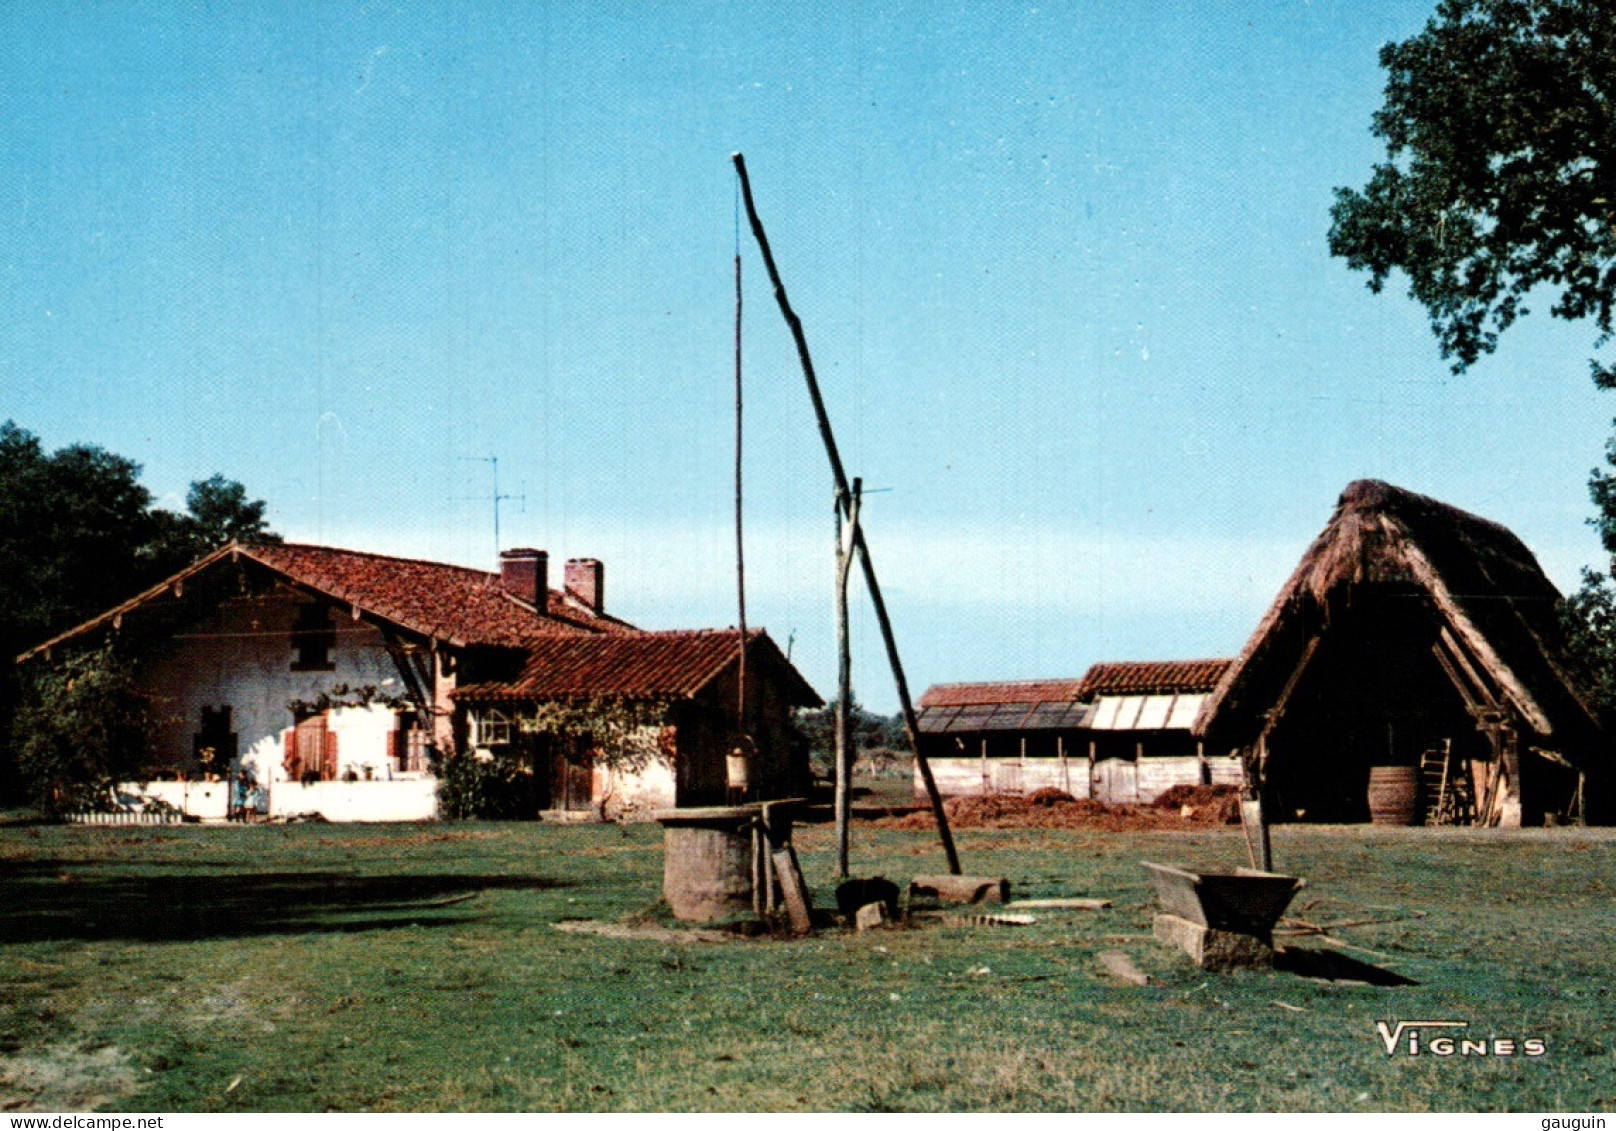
(1445, 788)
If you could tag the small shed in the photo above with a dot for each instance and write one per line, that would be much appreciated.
(1120, 733)
(676, 692)
(1415, 638)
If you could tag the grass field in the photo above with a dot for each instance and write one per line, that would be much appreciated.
(416, 967)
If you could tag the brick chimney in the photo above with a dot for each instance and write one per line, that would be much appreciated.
(586, 580)
(525, 574)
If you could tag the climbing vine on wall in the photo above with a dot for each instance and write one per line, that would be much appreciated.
(625, 734)
(366, 695)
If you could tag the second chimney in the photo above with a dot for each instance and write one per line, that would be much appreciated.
(525, 574)
(586, 580)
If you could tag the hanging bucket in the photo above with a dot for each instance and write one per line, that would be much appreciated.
(1393, 793)
(738, 770)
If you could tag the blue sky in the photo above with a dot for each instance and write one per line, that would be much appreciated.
(1062, 268)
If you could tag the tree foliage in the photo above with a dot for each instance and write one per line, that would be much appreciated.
(1500, 175)
(871, 732)
(82, 727)
(1499, 186)
(79, 533)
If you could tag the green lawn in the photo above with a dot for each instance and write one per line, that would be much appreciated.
(416, 967)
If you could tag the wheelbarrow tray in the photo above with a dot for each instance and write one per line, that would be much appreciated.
(1241, 900)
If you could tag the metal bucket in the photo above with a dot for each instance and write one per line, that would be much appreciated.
(1393, 795)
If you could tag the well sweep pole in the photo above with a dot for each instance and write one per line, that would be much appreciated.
(910, 722)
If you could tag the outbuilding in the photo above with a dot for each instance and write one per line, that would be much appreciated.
(1416, 649)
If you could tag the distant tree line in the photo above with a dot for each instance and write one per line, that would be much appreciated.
(79, 533)
(876, 738)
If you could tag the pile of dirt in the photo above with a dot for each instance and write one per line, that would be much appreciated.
(1210, 804)
(1181, 807)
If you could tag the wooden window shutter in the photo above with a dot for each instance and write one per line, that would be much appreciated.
(329, 770)
(289, 762)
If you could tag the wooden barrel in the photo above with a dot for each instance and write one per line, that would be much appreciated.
(1393, 793)
(707, 868)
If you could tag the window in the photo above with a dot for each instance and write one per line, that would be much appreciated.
(489, 726)
(313, 638)
(410, 743)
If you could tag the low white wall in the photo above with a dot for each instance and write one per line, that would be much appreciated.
(205, 800)
(963, 777)
(406, 799)
(403, 800)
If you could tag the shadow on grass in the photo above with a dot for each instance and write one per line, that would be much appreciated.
(42, 902)
(1332, 966)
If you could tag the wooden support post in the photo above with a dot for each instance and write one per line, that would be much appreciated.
(793, 890)
(760, 858)
(1066, 771)
(844, 678)
(1264, 843)
(871, 584)
(986, 785)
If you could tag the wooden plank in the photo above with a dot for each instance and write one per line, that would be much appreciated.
(1122, 968)
(793, 890)
(961, 889)
(1073, 904)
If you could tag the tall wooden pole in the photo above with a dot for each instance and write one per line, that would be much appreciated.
(910, 722)
(844, 679)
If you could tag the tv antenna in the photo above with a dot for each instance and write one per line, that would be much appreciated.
(496, 498)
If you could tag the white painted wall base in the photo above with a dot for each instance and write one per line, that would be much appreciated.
(404, 800)
(1146, 780)
(408, 799)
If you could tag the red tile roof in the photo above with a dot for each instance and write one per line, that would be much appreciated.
(1153, 677)
(636, 665)
(453, 603)
(450, 603)
(984, 694)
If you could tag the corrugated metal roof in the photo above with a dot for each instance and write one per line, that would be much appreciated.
(1146, 694)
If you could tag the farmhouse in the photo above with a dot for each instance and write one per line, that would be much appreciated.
(306, 679)
(1121, 733)
(1415, 651)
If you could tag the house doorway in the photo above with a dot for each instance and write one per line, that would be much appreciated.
(573, 778)
(314, 750)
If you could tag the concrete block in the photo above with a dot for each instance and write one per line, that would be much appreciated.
(870, 916)
(1211, 949)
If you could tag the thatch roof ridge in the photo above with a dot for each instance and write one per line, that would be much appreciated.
(1486, 583)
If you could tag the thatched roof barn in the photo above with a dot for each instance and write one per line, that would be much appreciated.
(1412, 634)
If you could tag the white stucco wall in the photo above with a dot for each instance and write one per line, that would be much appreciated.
(636, 792)
(241, 656)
